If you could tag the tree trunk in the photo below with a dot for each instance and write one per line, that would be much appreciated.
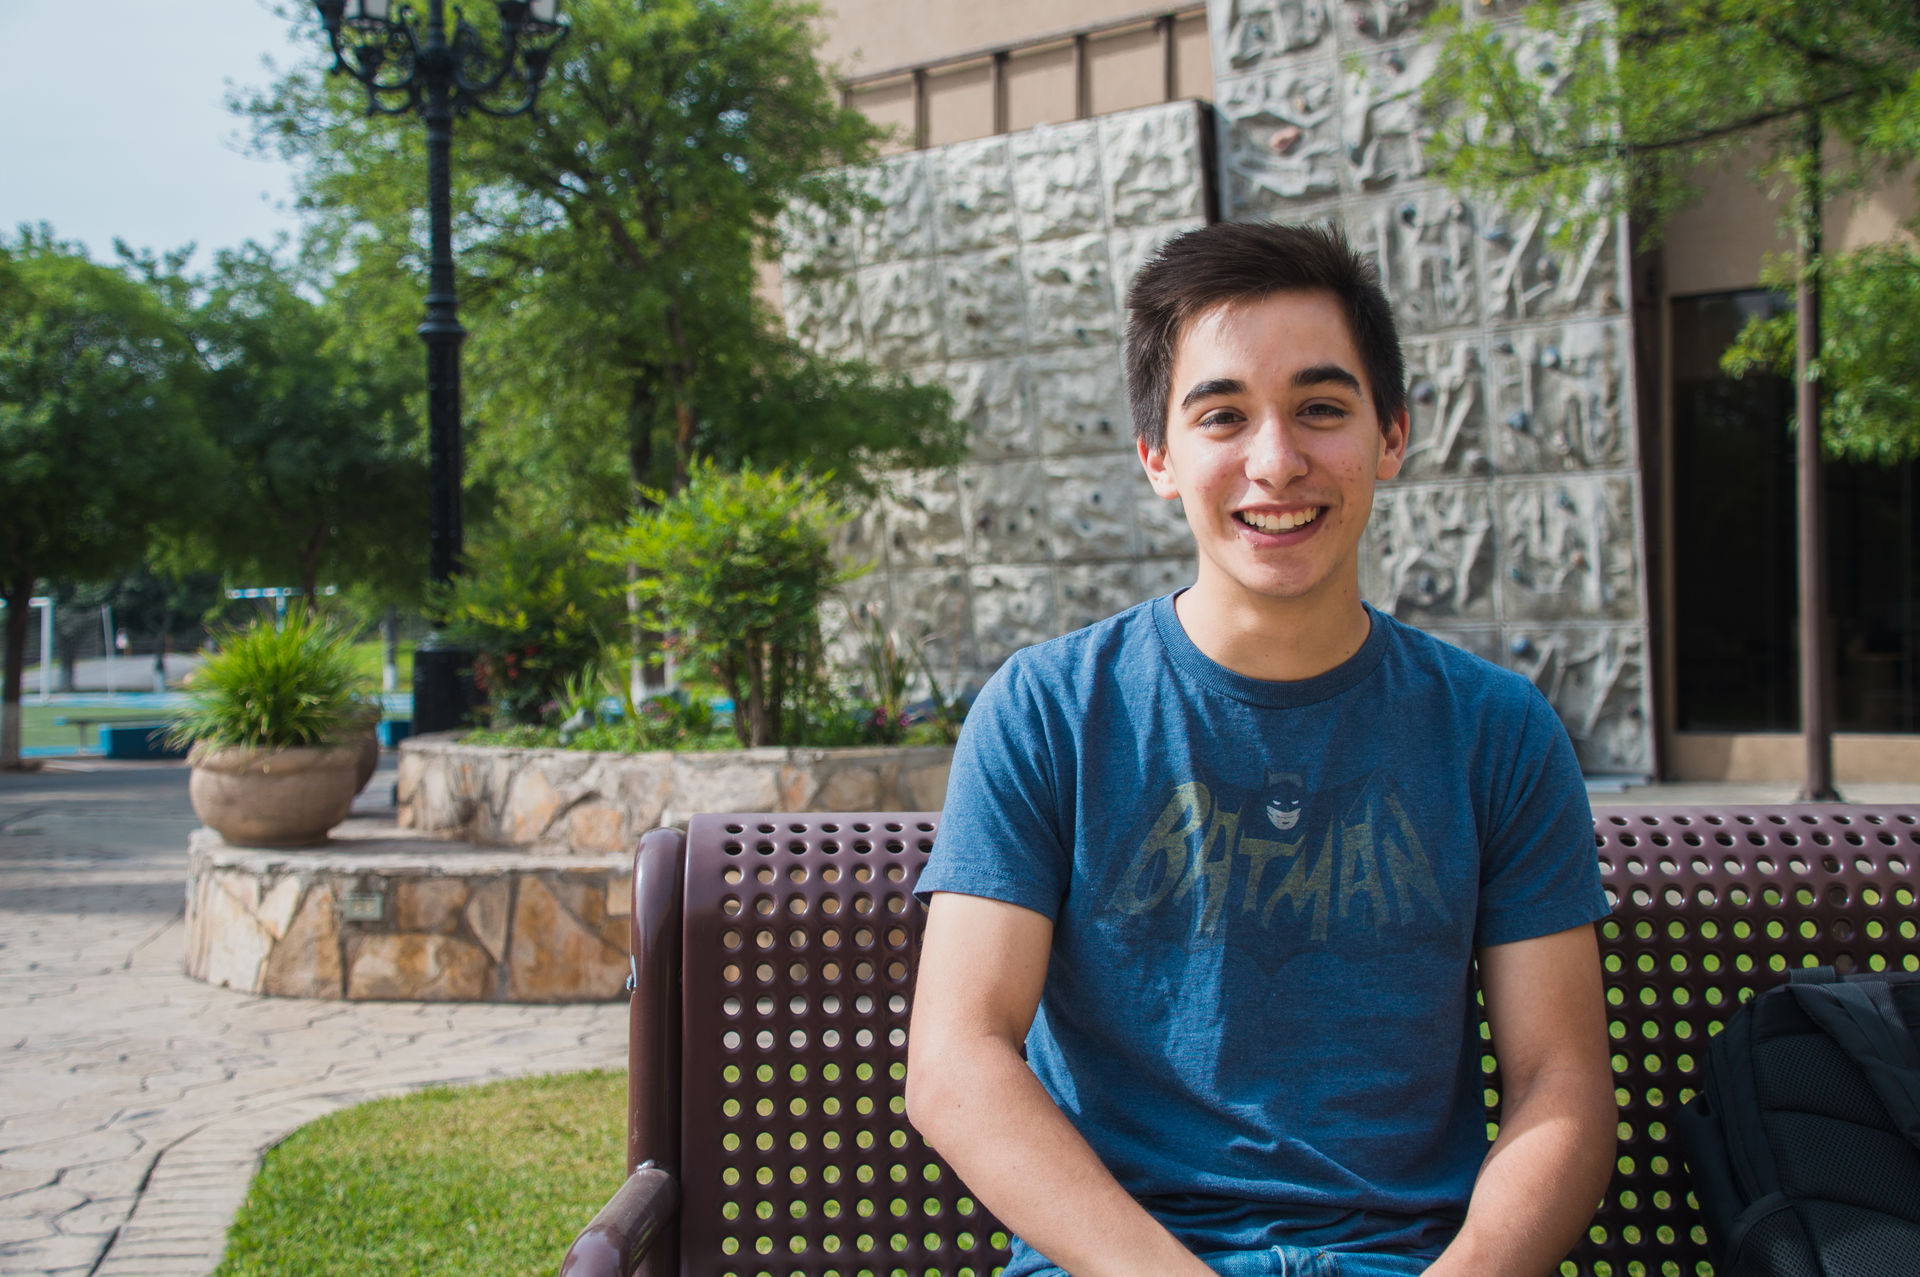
(1816, 654)
(19, 592)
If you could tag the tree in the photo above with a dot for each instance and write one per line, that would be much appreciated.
(1605, 111)
(609, 244)
(327, 484)
(100, 442)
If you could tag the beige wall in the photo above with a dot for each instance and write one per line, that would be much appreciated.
(1124, 68)
(1717, 245)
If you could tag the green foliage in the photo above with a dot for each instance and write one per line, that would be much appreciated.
(1593, 113)
(492, 1179)
(100, 444)
(275, 688)
(1869, 352)
(608, 249)
(538, 609)
(328, 485)
(734, 567)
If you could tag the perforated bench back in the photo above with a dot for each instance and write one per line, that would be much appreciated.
(802, 934)
(1712, 905)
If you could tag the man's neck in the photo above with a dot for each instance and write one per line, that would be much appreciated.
(1276, 640)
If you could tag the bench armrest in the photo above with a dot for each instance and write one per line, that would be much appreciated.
(616, 1241)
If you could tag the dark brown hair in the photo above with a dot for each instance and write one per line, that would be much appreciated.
(1241, 262)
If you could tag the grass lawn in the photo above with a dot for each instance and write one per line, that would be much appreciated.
(40, 726)
(490, 1180)
(370, 654)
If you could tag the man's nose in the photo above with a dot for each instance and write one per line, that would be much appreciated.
(1274, 456)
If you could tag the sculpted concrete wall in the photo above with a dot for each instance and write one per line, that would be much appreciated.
(999, 268)
(1514, 529)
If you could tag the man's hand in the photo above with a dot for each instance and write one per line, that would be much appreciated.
(969, 1092)
(1545, 1174)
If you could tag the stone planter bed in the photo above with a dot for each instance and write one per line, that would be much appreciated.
(377, 917)
(577, 802)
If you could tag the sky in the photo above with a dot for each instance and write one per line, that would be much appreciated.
(116, 123)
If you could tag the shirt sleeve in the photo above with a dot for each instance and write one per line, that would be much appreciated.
(1539, 872)
(1001, 826)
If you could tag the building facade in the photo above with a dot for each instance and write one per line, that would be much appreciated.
(1587, 499)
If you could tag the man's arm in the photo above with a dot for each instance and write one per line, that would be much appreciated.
(982, 966)
(1538, 1188)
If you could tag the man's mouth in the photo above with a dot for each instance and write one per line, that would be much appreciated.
(1278, 522)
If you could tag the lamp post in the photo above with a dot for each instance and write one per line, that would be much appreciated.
(439, 74)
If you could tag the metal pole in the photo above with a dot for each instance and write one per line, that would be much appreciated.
(439, 699)
(46, 648)
(1816, 664)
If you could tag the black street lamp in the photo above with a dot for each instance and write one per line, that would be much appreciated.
(405, 69)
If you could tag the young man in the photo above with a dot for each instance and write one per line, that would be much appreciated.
(1196, 988)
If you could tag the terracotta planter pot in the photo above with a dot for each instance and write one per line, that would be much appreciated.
(366, 758)
(272, 797)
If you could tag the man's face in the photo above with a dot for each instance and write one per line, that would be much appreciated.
(1274, 447)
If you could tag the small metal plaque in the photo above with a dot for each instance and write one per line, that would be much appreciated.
(363, 906)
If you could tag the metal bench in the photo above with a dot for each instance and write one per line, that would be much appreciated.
(773, 960)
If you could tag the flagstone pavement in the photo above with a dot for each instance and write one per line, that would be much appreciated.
(135, 1103)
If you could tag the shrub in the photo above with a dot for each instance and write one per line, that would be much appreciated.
(275, 688)
(537, 608)
(733, 567)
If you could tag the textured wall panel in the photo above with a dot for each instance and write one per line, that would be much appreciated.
(1164, 576)
(1429, 554)
(1150, 161)
(1162, 523)
(1596, 679)
(1382, 126)
(926, 525)
(1079, 399)
(1132, 247)
(1070, 293)
(900, 307)
(1423, 243)
(1530, 275)
(1248, 33)
(1483, 642)
(1007, 513)
(1279, 140)
(1056, 181)
(900, 225)
(1012, 609)
(1568, 549)
(1090, 505)
(1560, 397)
(1447, 405)
(992, 397)
(982, 311)
(974, 211)
(1089, 592)
(934, 605)
(828, 310)
(1383, 19)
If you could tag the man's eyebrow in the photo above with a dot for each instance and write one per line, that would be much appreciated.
(1326, 374)
(1213, 388)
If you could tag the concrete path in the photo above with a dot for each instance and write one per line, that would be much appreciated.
(135, 1102)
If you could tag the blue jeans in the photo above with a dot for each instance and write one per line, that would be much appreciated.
(1299, 1261)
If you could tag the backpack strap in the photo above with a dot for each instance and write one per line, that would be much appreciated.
(1861, 1017)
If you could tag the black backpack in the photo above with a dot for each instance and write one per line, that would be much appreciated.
(1804, 1140)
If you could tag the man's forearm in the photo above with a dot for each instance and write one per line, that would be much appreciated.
(1538, 1188)
(987, 1114)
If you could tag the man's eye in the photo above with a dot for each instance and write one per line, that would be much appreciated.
(1220, 417)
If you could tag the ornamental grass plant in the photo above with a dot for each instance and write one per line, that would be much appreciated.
(275, 687)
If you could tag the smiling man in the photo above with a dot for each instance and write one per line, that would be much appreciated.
(1218, 878)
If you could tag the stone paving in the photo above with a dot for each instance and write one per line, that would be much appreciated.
(135, 1102)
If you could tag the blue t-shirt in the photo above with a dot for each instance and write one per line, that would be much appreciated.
(1266, 898)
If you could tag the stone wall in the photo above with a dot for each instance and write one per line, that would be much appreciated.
(1514, 529)
(407, 919)
(999, 268)
(566, 802)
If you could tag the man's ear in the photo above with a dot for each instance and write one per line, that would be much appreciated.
(1159, 472)
(1393, 450)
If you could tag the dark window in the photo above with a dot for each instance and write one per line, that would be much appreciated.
(1736, 597)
